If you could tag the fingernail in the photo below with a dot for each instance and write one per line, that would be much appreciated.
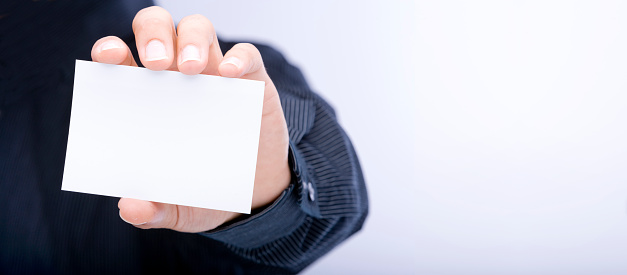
(190, 53)
(129, 221)
(155, 50)
(110, 45)
(233, 61)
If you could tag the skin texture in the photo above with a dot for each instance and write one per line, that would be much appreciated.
(193, 48)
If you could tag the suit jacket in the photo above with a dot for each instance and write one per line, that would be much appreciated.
(46, 230)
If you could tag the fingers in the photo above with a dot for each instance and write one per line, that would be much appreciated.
(198, 48)
(147, 215)
(193, 48)
(155, 37)
(112, 50)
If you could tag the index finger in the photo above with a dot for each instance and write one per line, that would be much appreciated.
(155, 37)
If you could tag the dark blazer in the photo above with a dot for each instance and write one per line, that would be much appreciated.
(46, 230)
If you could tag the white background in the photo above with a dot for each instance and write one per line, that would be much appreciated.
(491, 133)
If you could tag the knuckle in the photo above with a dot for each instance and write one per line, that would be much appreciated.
(195, 18)
(249, 49)
(251, 53)
(180, 219)
(152, 10)
(196, 21)
(247, 46)
(151, 16)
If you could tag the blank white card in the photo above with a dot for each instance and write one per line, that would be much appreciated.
(163, 136)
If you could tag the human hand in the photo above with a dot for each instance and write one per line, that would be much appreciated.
(192, 48)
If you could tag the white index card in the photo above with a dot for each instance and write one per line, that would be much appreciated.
(163, 136)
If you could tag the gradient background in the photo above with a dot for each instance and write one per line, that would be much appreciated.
(491, 133)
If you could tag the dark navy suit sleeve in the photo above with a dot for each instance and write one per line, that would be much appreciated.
(326, 201)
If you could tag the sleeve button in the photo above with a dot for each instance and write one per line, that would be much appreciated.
(311, 191)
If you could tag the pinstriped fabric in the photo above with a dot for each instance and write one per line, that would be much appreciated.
(301, 116)
(327, 188)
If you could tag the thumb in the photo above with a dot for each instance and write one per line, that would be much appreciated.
(147, 214)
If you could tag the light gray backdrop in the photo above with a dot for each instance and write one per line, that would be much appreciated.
(491, 133)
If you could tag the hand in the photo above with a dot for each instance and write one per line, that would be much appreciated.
(193, 49)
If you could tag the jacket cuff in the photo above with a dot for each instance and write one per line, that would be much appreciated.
(305, 184)
(278, 220)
